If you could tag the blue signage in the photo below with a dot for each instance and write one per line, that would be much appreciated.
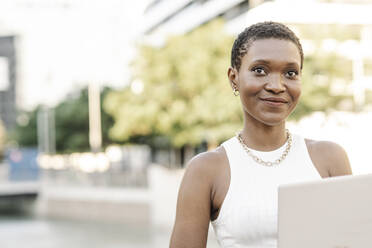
(23, 164)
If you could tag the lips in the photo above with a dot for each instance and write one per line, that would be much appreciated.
(274, 101)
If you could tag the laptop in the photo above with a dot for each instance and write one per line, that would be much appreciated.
(328, 213)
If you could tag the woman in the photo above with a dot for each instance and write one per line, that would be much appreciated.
(235, 185)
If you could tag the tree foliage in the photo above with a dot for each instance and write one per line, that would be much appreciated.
(71, 124)
(320, 76)
(186, 97)
(327, 75)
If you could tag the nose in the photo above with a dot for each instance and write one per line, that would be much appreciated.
(275, 84)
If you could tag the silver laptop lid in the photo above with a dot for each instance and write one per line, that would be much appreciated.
(328, 213)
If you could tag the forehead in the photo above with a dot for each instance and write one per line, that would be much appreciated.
(273, 50)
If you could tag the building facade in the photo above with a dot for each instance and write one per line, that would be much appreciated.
(7, 80)
(171, 17)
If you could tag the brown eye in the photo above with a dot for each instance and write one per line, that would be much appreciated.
(259, 71)
(292, 74)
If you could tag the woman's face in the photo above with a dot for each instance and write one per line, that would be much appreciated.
(268, 80)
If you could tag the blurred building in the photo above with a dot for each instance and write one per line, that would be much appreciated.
(165, 17)
(7, 80)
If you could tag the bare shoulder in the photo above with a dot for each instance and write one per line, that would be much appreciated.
(207, 164)
(203, 173)
(329, 156)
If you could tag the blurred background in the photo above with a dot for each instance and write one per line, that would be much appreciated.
(102, 103)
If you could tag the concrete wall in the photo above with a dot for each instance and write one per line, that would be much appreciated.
(163, 187)
(93, 203)
(155, 206)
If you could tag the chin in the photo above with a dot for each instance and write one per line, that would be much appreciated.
(272, 120)
(273, 123)
(267, 118)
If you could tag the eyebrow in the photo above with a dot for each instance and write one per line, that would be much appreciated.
(268, 62)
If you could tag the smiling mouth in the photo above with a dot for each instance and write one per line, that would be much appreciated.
(274, 101)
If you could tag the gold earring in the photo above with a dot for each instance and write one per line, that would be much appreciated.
(235, 92)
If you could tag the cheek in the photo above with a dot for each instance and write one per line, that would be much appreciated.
(295, 91)
(250, 85)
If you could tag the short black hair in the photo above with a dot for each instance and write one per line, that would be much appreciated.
(258, 31)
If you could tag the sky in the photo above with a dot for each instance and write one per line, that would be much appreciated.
(62, 45)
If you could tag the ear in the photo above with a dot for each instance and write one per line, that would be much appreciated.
(233, 76)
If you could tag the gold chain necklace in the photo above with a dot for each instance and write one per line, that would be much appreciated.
(259, 160)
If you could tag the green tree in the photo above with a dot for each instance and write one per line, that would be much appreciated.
(324, 71)
(71, 124)
(25, 131)
(319, 76)
(186, 97)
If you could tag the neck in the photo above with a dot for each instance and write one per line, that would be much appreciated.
(262, 137)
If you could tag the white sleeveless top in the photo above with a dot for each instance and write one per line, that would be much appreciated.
(248, 215)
